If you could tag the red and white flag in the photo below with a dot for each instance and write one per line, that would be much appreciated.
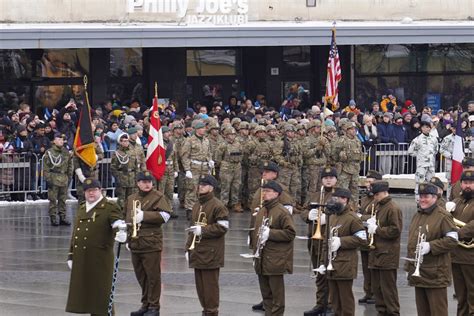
(458, 153)
(155, 156)
(334, 74)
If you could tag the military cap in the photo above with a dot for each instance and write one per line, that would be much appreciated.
(281, 125)
(314, 123)
(467, 176)
(270, 127)
(425, 123)
(468, 162)
(165, 129)
(340, 192)
(176, 125)
(259, 128)
(199, 125)
(229, 131)
(57, 134)
(374, 174)
(428, 188)
(292, 121)
(342, 121)
(235, 120)
(132, 130)
(213, 125)
(208, 180)
(273, 185)
(91, 183)
(330, 129)
(243, 125)
(270, 166)
(379, 186)
(290, 128)
(328, 172)
(348, 125)
(253, 125)
(262, 121)
(299, 127)
(144, 176)
(123, 135)
(437, 181)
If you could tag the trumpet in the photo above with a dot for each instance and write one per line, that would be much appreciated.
(260, 244)
(332, 254)
(317, 234)
(418, 256)
(371, 236)
(135, 227)
(464, 244)
(201, 221)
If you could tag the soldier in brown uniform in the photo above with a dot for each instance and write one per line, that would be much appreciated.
(441, 202)
(366, 205)
(463, 258)
(276, 257)
(146, 246)
(384, 230)
(350, 235)
(207, 257)
(91, 255)
(467, 165)
(315, 247)
(441, 237)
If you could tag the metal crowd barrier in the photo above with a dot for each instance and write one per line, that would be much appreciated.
(19, 175)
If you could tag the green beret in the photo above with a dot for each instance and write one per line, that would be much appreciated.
(328, 172)
(273, 185)
(90, 183)
(379, 186)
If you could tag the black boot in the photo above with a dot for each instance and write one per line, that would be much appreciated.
(54, 220)
(367, 300)
(139, 312)
(152, 312)
(258, 307)
(63, 221)
(315, 311)
(173, 215)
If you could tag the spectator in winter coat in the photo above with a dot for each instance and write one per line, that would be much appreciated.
(414, 130)
(386, 135)
(400, 136)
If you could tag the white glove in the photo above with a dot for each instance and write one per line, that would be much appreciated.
(450, 206)
(211, 164)
(120, 224)
(81, 178)
(121, 236)
(323, 219)
(359, 215)
(80, 175)
(265, 234)
(165, 215)
(256, 211)
(176, 174)
(313, 214)
(69, 264)
(186, 256)
(127, 247)
(197, 230)
(372, 228)
(321, 269)
(139, 216)
(248, 240)
(189, 174)
(425, 248)
(289, 208)
(336, 244)
(372, 221)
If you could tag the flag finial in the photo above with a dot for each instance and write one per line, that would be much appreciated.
(85, 82)
(156, 89)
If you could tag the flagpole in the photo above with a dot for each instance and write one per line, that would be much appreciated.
(156, 89)
(85, 91)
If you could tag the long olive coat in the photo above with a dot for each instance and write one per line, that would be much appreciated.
(92, 255)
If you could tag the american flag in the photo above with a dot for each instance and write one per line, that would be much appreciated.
(334, 72)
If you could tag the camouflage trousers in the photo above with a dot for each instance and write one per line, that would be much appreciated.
(314, 183)
(253, 183)
(230, 180)
(192, 185)
(423, 174)
(304, 184)
(166, 185)
(244, 189)
(122, 193)
(57, 200)
(181, 187)
(350, 182)
(291, 178)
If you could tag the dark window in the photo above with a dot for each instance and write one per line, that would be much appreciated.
(211, 62)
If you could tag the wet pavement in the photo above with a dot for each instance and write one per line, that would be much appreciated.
(34, 276)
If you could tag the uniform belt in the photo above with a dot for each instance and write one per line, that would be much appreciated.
(235, 154)
(168, 163)
(197, 162)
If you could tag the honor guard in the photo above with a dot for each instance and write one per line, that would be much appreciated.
(57, 172)
(148, 210)
(166, 183)
(206, 243)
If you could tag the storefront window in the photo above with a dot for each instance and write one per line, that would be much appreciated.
(63, 63)
(217, 62)
(126, 62)
(14, 64)
(377, 59)
(12, 96)
(53, 95)
(124, 92)
(297, 57)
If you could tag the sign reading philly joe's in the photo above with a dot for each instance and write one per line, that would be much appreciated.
(204, 12)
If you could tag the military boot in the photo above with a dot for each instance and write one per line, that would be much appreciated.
(54, 220)
(258, 307)
(63, 221)
(139, 312)
(152, 312)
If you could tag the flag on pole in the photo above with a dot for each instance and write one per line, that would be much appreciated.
(84, 144)
(334, 74)
(458, 153)
(155, 156)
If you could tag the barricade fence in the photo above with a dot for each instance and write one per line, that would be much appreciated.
(22, 173)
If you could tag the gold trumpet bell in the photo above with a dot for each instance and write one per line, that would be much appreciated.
(317, 234)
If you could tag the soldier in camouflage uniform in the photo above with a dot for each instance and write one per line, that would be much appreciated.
(136, 145)
(58, 169)
(166, 183)
(256, 152)
(197, 161)
(229, 157)
(83, 171)
(315, 155)
(424, 147)
(350, 155)
(125, 165)
(244, 138)
(289, 157)
(302, 190)
(178, 140)
(446, 149)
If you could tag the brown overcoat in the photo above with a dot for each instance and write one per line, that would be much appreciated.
(465, 213)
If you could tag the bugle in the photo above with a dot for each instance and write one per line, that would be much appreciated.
(371, 236)
(260, 243)
(332, 254)
(201, 221)
(317, 234)
(418, 256)
(464, 244)
(135, 227)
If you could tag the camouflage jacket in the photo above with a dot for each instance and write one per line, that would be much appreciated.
(57, 166)
(228, 153)
(195, 149)
(289, 154)
(424, 148)
(316, 150)
(125, 165)
(350, 154)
